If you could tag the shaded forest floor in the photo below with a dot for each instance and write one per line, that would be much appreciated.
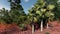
(54, 28)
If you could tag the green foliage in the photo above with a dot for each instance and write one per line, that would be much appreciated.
(57, 11)
(21, 26)
(42, 10)
(47, 33)
(15, 15)
(17, 12)
(5, 15)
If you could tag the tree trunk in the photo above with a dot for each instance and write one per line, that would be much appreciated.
(41, 25)
(47, 26)
(32, 29)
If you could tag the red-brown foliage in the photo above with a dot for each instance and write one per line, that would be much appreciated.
(14, 29)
